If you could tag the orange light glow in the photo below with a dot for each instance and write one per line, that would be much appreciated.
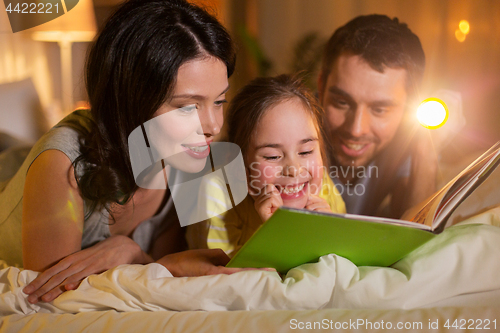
(459, 35)
(464, 27)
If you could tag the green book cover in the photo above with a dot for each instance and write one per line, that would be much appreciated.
(292, 237)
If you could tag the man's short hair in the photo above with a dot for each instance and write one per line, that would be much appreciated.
(381, 42)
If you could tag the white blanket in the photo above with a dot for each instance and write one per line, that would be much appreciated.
(460, 267)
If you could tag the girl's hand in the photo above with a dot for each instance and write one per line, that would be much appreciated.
(267, 202)
(70, 271)
(318, 204)
(200, 262)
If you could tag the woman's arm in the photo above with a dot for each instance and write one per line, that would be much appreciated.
(52, 232)
(52, 221)
(52, 226)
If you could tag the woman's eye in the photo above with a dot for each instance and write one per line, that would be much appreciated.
(188, 108)
(271, 158)
(221, 102)
(306, 152)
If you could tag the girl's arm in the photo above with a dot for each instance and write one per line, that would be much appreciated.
(52, 226)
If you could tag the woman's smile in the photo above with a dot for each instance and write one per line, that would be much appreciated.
(197, 151)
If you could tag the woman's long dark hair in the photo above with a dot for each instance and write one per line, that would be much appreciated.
(131, 71)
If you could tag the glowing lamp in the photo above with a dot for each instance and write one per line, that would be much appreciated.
(432, 113)
(464, 27)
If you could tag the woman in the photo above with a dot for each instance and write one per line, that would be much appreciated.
(82, 212)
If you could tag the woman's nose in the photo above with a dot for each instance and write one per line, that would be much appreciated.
(211, 122)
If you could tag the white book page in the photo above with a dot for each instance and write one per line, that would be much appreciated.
(387, 221)
(462, 187)
(437, 207)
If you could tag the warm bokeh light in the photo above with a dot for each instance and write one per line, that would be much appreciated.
(464, 27)
(459, 35)
(432, 113)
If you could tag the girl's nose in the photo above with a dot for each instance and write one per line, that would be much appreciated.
(291, 168)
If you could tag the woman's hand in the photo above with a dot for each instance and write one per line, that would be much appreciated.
(70, 271)
(267, 202)
(200, 262)
(318, 204)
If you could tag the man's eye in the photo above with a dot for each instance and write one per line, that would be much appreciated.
(340, 103)
(379, 111)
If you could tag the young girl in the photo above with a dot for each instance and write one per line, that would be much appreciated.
(278, 126)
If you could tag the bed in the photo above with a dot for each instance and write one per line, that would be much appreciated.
(449, 283)
(451, 280)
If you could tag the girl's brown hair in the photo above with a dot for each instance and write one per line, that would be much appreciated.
(253, 100)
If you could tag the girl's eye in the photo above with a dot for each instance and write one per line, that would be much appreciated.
(221, 102)
(306, 152)
(271, 158)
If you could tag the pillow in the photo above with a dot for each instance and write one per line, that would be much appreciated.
(21, 114)
(8, 141)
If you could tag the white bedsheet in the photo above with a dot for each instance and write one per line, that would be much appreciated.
(460, 267)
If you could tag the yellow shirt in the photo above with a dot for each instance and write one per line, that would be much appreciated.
(230, 230)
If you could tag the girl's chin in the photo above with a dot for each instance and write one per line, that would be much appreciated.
(298, 203)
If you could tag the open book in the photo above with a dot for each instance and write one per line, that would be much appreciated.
(435, 211)
(292, 237)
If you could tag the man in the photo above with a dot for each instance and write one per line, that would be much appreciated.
(370, 73)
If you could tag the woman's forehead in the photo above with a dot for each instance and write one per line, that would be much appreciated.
(201, 78)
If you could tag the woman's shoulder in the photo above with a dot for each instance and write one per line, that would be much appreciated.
(79, 120)
(65, 135)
